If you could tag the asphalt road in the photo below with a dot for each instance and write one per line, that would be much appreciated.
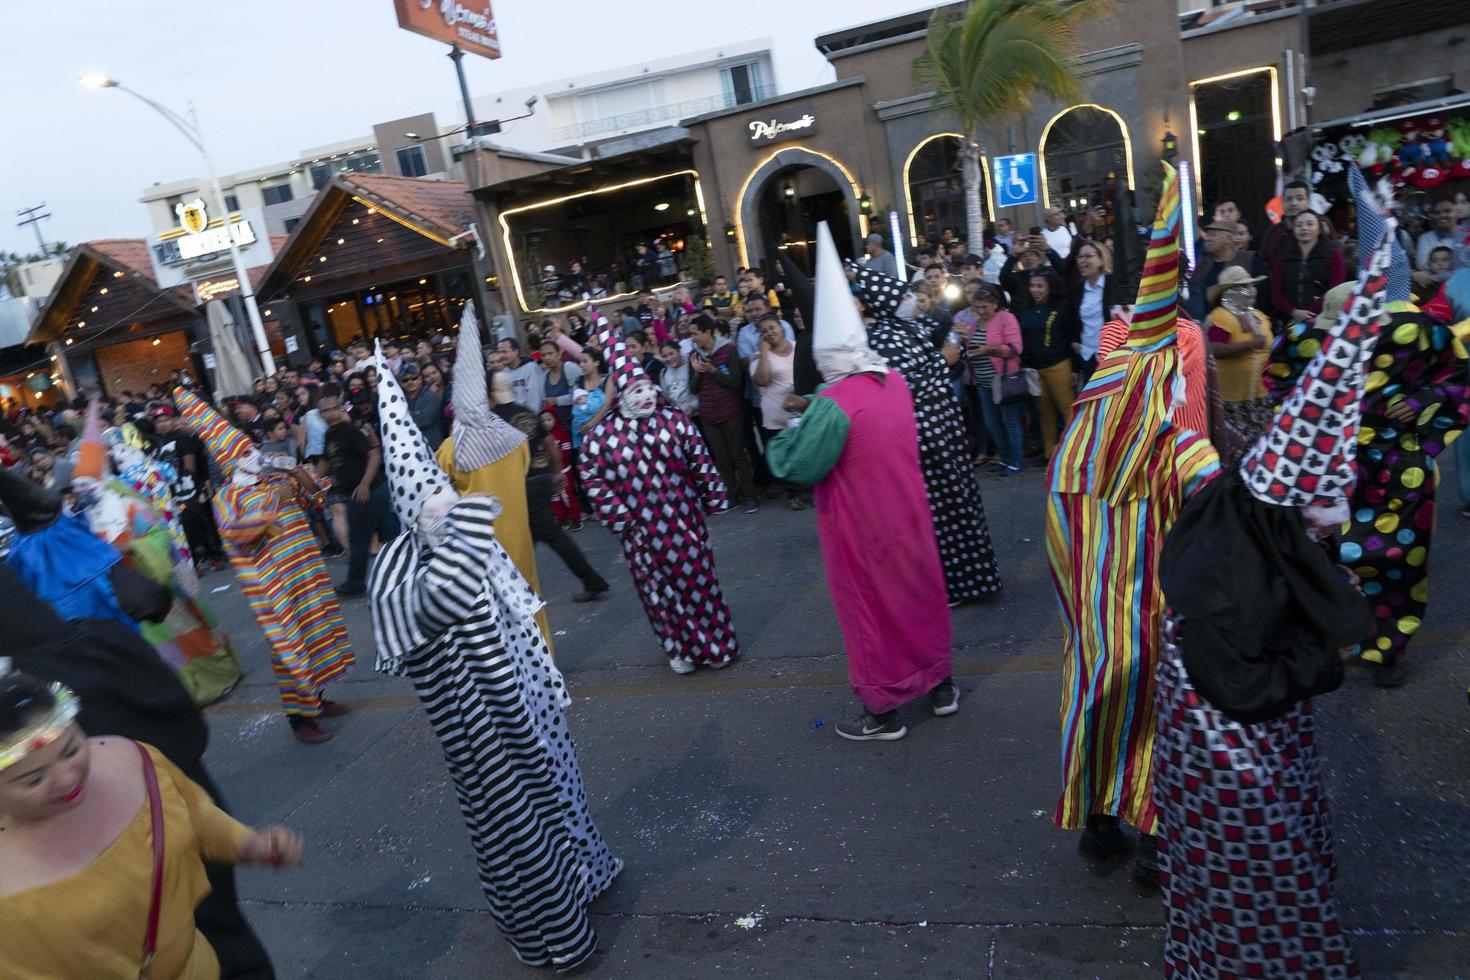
(759, 844)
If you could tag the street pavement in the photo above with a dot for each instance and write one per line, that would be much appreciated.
(759, 844)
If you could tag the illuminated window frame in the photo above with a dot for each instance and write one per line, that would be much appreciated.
(908, 194)
(1194, 115)
(745, 186)
(1046, 131)
(510, 256)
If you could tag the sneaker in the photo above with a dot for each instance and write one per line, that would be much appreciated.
(722, 510)
(349, 591)
(333, 709)
(1005, 471)
(590, 595)
(1465, 511)
(722, 664)
(577, 526)
(945, 699)
(869, 728)
(681, 666)
(307, 730)
(1102, 838)
(752, 505)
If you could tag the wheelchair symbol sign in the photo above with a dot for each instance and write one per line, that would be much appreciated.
(1015, 180)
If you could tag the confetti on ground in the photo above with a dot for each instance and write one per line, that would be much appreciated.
(748, 921)
(220, 588)
(816, 723)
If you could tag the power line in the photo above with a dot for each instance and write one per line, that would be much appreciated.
(30, 217)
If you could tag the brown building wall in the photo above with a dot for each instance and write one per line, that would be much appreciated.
(136, 364)
(1346, 80)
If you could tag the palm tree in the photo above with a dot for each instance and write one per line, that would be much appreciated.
(983, 64)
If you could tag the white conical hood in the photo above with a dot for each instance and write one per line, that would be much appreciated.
(480, 436)
(413, 476)
(839, 338)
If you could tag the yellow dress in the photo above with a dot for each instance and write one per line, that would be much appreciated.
(91, 923)
(505, 479)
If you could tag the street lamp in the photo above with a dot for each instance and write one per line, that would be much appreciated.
(190, 128)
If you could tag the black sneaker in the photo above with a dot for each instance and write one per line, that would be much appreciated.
(752, 505)
(1103, 838)
(348, 591)
(1146, 861)
(871, 729)
(945, 699)
(1465, 511)
(590, 595)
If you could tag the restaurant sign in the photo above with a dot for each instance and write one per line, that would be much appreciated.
(198, 237)
(783, 125)
(469, 24)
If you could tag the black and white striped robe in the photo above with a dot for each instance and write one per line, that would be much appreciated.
(459, 621)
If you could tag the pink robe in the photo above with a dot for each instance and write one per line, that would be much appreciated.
(878, 545)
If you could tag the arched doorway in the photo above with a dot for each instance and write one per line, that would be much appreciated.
(1086, 160)
(785, 198)
(936, 189)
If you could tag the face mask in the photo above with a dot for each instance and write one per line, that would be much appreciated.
(433, 524)
(247, 470)
(639, 401)
(124, 457)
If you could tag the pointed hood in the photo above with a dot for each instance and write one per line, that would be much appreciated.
(622, 366)
(804, 373)
(412, 472)
(1371, 207)
(480, 436)
(31, 506)
(1128, 407)
(839, 337)
(91, 454)
(1309, 455)
(1156, 314)
(225, 443)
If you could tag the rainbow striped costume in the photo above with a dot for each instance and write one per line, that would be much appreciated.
(279, 565)
(1119, 478)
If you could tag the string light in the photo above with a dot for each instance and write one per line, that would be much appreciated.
(102, 291)
(341, 241)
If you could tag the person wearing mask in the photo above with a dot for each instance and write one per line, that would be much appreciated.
(675, 381)
(1310, 267)
(1240, 340)
(771, 374)
(879, 259)
(1095, 299)
(1276, 240)
(1047, 335)
(526, 378)
(355, 462)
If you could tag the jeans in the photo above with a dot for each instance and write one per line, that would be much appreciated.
(363, 520)
(990, 417)
(545, 529)
(1012, 443)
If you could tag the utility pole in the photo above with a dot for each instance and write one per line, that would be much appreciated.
(30, 217)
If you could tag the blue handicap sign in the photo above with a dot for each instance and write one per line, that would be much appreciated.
(1014, 180)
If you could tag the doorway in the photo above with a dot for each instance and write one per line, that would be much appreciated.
(792, 203)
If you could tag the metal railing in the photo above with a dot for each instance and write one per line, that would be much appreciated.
(653, 116)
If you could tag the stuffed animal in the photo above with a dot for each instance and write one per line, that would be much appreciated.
(1324, 161)
(1411, 151)
(1436, 144)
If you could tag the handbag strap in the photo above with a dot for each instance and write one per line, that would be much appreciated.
(155, 903)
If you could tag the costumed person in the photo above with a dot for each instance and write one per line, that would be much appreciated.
(954, 496)
(140, 830)
(1258, 622)
(59, 558)
(1415, 403)
(124, 689)
(453, 613)
(486, 454)
(177, 448)
(649, 475)
(1123, 470)
(132, 511)
(279, 565)
(1240, 340)
(857, 446)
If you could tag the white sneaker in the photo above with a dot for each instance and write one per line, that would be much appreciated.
(681, 666)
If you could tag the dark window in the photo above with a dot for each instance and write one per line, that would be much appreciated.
(290, 224)
(279, 194)
(1236, 152)
(411, 161)
(743, 84)
(365, 163)
(1086, 162)
(937, 190)
(232, 203)
(320, 174)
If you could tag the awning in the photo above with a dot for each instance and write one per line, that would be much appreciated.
(1447, 103)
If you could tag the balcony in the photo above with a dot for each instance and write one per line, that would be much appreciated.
(656, 115)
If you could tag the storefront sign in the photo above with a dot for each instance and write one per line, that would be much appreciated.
(208, 289)
(469, 24)
(784, 125)
(195, 238)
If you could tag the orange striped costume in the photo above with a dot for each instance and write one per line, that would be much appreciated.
(1133, 454)
(289, 591)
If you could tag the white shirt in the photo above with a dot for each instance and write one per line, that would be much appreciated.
(1091, 313)
(527, 384)
(1059, 240)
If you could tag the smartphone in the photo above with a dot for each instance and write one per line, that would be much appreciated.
(1035, 229)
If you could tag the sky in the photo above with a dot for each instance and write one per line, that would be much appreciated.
(271, 77)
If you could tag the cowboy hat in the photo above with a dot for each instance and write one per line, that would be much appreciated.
(1232, 276)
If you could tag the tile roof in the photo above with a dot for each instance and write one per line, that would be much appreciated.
(443, 204)
(128, 253)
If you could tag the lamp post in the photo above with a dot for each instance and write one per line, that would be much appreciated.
(190, 128)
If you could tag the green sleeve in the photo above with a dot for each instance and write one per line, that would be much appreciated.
(805, 454)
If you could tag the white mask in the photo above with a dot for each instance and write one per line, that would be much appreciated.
(639, 401)
(248, 467)
(125, 456)
(432, 524)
